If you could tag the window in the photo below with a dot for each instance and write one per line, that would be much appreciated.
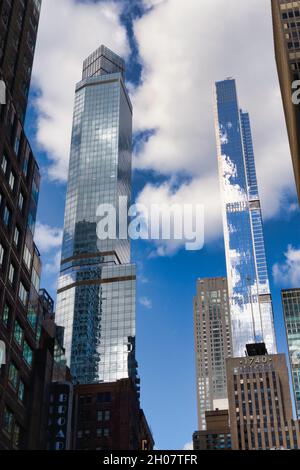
(1, 254)
(27, 257)
(106, 432)
(99, 433)
(6, 216)
(16, 236)
(21, 391)
(35, 279)
(4, 164)
(35, 192)
(13, 376)
(11, 274)
(6, 315)
(107, 416)
(32, 317)
(16, 435)
(11, 181)
(23, 294)
(18, 334)
(104, 397)
(26, 162)
(27, 353)
(17, 140)
(21, 202)
(8, 421)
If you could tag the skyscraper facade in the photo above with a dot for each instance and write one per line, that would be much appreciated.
(96, 291)
(286, 27)
(21, 317)
(213, 345)
(18, 31)
(249, 291)
(217, 435)
(291, 312)
(260, 405)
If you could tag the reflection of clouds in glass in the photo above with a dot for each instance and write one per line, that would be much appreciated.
(232, 192)
(223, 136)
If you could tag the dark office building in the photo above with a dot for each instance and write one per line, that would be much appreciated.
(286, 26)
(217, 435)
(260, 405)
(107, 416)
(21, 319)
(59, 429)
(18, 30)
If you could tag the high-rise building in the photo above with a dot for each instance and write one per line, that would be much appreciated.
(286, 27)
(19, 21)
(249, 291)
(96, 291)
(291, 311)
(217, 435)
(260, 405)
(108, 417)
(213, 345)
(21, 312)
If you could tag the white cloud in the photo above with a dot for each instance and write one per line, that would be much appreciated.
(53, 264)
(146, 302)
(184, 51)
(287, 274)
(47, 238)
(200, 191)
(188, 446)
(69, 31)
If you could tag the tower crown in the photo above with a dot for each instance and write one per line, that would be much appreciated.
(103, 61)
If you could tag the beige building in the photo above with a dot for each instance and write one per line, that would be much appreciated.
(212, 345)
(260, 406)
(217, 435)
(286, 26)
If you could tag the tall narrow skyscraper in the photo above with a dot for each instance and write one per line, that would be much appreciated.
(249, 292)
(291, 312)
(212, 345)
(96, 291)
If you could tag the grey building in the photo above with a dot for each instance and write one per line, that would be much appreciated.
(291, 311)
(96, 291)
(212, 345)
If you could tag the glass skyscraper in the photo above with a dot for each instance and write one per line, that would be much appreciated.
(249, 291)
(96, 291)
(291, 311)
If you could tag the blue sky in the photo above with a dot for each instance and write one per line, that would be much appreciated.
(173, 58)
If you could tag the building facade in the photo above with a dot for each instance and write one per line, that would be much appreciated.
(96, 293)
(249, 291)
(108, 417)
(212, 330)
(286, 27)
(21, 318)
(217, 435)
(291, 312)
(260, 406)
(19, 21)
